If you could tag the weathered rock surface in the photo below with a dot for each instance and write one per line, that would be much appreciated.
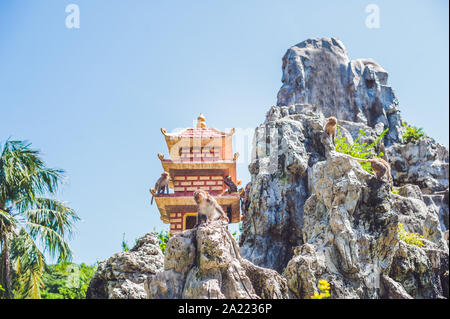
(422, 272)
(122, 276)
(349, 232)
(318, 71)
(438, 202)
(315, 214)
(419, 218)
(424, 163)
(205, 263)
(285, 146)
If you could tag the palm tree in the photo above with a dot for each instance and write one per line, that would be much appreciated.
(31, 224)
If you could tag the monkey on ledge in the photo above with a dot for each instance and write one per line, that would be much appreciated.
(380, 166)
(161, 185)
(330, 128)
(232, 188)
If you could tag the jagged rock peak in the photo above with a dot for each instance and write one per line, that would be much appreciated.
(318, 71)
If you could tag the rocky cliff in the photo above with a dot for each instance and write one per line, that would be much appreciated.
(314, 214)
(122, 276)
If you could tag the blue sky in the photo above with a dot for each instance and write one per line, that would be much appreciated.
(93, 99)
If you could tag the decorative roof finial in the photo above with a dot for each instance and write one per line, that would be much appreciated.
(201, 121)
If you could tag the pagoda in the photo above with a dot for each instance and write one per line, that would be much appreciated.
(200, 158)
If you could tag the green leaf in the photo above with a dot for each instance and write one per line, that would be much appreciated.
(34, 222)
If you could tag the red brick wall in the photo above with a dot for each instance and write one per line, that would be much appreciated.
(199, 154)
(187, 184)
(176, 222)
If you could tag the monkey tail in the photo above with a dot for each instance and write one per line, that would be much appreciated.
(360, 160)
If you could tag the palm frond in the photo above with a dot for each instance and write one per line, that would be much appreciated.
(23, 173)
(53, 242)
(52, 221)
(54, 214)
(7, 221)
(29, 265)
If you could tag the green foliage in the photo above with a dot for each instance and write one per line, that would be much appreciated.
(236, 235)
(163, 237)
(67, 281)
(1, 288)
(358, 150)
(412, 133)
(410, 238)
(30, 219)
(324, 288)
(395, 191)
(124, 244)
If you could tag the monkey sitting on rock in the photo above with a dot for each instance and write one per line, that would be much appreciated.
(232, 188)
(330, 128)
(245, 200)
(379, 166)
(208, 208)
(162, 184)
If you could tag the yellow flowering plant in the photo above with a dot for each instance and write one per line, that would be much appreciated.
(410, 238)
(324, 288)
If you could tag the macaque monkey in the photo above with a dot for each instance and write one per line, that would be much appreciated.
(232, 188)
(380, 167)
(330, 127)
(208, 208)
(245, 203)
(162, 184)
(383, 150)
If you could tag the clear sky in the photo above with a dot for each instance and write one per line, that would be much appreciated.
(93, 99)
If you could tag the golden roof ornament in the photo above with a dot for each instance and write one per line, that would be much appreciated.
(201, 121)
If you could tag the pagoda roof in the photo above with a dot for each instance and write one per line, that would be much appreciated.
(182, 165)
(197, 132)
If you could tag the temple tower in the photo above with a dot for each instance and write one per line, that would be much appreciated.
(200, 158)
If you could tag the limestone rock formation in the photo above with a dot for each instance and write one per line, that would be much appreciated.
(316, 214)
(438, 202)
(348, 232)
(419, 218)
(422, 272)
(122, 275)
(424, 163)
(285, 146)
(351, 240)
(205, 263)
(319, 72)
